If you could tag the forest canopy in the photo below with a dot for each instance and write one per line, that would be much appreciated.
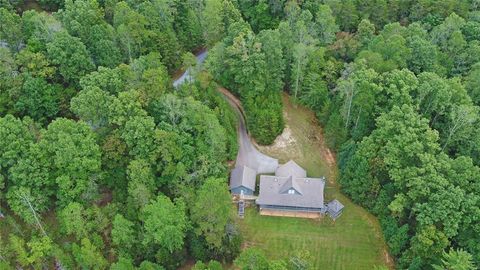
(105, 165)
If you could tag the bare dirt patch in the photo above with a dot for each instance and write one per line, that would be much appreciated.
(283, 140)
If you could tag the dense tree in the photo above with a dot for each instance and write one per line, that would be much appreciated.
(7, 81)
(461, 117)
(139, 135)
(315, 92)
(74, 158)
(141, 183)
(472, 84)
(71, 57)
(124, 107)
(160, 17)
(252, 258)
(274, 59)
(387, 51)
(365, 32)
(123, 264)
(211, 211)
(212, 265)
(88, 256)
(123, 235)
(17, 136)
(38, 99)
(187, 24)
(357, 90)
(34, 253)
(39, 29)
(73, 220)
(28, 203)
(62, 163)
(10, 30)
(198, 129)
(325, 24)
(84, 19)
(217, 18)
(131, 30)
(34, 64)
(456, 260)
(92, 106)
(109, 80)
(164, 223)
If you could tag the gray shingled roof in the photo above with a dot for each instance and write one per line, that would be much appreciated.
(335, 206)
(291, 169)
(311, 191)
(243, 176)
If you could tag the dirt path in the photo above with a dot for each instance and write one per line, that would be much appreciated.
(248, 155)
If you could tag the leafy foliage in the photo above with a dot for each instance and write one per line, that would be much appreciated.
(93, 131)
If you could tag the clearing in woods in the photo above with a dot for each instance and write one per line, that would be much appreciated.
(354, 241)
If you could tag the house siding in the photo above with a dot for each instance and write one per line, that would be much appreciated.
(238, 190)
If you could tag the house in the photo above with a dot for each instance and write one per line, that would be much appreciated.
(242, 181)
(334, 209)
(291, 193)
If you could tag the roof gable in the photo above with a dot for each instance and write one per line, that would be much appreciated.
(289, 185)
(291, 168)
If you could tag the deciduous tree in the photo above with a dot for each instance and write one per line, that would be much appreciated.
(211, 211)
(165, 224)
(71, 57)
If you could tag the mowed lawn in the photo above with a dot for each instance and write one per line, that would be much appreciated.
(354, 241)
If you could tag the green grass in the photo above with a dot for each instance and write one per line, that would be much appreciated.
(354, 241)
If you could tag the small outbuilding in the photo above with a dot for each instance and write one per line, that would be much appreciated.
(335, 209)
(242, 180)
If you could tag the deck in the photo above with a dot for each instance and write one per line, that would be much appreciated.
(283, 213)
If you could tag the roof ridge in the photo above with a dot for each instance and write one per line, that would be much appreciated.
(289, 184)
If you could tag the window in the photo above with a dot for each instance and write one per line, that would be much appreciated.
(291, 191)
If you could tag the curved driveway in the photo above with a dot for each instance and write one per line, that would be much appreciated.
(248, 155)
